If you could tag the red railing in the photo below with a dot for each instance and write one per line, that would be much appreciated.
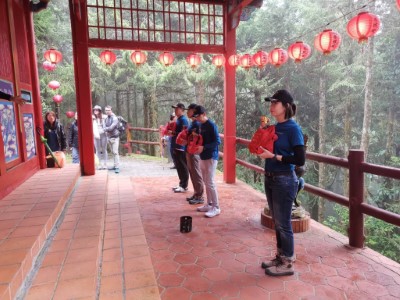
(355, 202)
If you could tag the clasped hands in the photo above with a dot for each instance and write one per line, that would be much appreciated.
(265, 154)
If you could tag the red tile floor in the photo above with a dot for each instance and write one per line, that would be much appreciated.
(119, 239)
(221, 257)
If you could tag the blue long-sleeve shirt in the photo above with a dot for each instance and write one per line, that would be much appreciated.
(180, 123)
(211, 140)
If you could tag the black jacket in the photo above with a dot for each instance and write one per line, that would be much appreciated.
(62, 140)
(73, 135)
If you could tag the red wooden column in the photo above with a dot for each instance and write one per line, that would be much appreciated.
(82, 85)
(230, 111)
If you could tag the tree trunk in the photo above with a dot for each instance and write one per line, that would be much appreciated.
(367, 98)
(118, 103)
(146, 120)
(322, 146)
(135, 109)
(128, 105)
(153, 116)
(347, 143)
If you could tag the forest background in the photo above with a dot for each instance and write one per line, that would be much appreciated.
(347, 100)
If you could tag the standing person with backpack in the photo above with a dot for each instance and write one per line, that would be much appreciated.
(281, 183)
(111, 128)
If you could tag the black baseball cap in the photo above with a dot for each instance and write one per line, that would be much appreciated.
(179, 105)
(280, 96)
(199, 110)
(192, 105)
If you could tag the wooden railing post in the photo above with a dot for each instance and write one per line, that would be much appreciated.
(356, 197)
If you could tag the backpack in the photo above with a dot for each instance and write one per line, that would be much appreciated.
(121, 124)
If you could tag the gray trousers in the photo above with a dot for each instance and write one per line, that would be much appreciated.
(208, 168)
(193, 163)
(101, 149)
(114, 145)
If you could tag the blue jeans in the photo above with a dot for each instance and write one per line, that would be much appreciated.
(281, 192)
(75, 155)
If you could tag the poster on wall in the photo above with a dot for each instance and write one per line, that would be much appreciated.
(6, 87)
(30, 136)
(8, 130)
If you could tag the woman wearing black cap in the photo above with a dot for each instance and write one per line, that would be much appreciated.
(281, 181)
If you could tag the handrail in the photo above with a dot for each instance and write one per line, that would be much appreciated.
(130, 141)
(357, 207)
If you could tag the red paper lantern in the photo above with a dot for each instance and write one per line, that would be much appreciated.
(246, 61)
(70, 114)
(53, 56)
(193, 60)
(58, 99)
(138, 58)
(278, 57)
(54, 84)
(218, 60)
(260, 58)
(166, 59)
(363, 26)
(327, 41)
(234, 60)
(48, 66)
(108, 57)
(398, 4)
(299, 51)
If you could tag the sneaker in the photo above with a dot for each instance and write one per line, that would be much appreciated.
(213, 212)
(204, 208)
(180, 190)
(175, 187)
(111, 169)
(116, 170)
(283, 269)
(196, 201)
(272, 263)
(190, 198)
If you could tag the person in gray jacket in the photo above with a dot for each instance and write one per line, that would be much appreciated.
(111, 128)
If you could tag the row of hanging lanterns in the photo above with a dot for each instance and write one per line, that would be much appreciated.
(52, 58)
(360, 28)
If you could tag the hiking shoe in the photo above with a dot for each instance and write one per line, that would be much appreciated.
(272, 263)
(196, 201)
(180, 190)
(190, 198)
(213, 212)
(204, 208)
(283, 269)
(116, 170)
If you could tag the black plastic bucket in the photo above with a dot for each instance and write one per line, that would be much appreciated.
(186, 224)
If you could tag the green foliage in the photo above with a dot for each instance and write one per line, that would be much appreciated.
(380, 236)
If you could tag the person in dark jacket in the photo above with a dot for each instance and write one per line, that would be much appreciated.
(73, 140)
(111, 128)
(54, 133)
